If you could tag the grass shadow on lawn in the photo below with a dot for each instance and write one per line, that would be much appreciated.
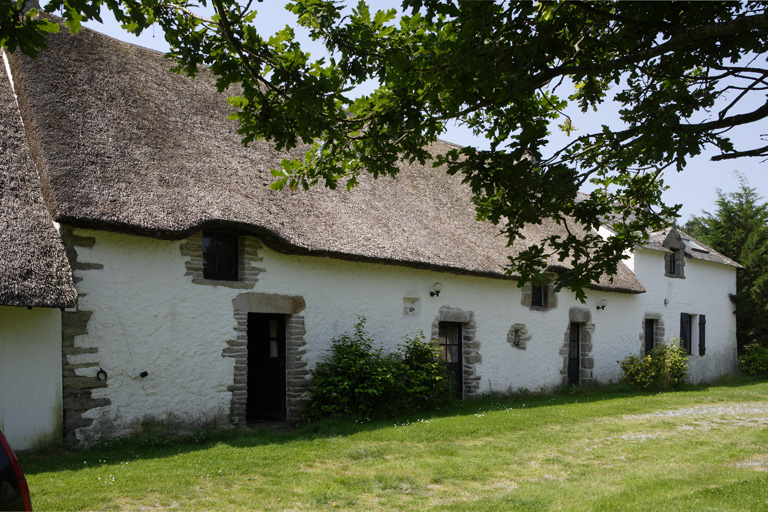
(155, 443)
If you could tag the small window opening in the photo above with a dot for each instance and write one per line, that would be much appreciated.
(688, 331)
(220, 257)
(518, 336)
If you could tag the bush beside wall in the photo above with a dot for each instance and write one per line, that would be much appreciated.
(355, 379)
(664, 368)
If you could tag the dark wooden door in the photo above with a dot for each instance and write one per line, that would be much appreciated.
(574, 349)
(449, 344)
(650, 328)
(266, 367)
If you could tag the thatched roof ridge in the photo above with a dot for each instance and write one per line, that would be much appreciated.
(34, 270)
(125, 145)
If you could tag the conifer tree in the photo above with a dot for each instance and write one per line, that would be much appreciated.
(739, 229)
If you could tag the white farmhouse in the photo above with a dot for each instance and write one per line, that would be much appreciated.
(204, 296)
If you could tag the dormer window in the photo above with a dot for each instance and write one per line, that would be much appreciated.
(220, 254)
(674, 260)
(675, 263)
(672, 263)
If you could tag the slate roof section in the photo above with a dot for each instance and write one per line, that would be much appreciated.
(124, 145)
(694, 249)
(34, 270)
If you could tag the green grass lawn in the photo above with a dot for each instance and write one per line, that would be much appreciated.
(701, 449)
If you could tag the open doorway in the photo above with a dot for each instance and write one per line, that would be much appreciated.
(266, 398)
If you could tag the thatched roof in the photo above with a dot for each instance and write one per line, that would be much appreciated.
(125, 145)
(693, 248)
(34, 270)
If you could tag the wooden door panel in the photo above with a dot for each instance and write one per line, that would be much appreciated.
(450, 349)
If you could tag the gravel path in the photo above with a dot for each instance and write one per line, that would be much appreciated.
(748, 409)
(705, 417)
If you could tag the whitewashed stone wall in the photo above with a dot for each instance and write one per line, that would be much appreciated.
(30, 376)
(705, 290)
(148, 315)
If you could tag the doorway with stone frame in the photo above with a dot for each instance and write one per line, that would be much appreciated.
(470, 347)
(250, 309)
(576, 351)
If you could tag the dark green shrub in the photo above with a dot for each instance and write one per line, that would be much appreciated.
(664, 368)
(754, 360)
(423, 379)
(355, 379)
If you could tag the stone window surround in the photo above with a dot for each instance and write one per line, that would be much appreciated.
(549, 297)
(518, 336)
(674, 243)
(583, 317)
(247, 257)
(470, 346)
(658, 335)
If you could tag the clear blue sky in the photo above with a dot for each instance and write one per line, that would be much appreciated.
(694, 187)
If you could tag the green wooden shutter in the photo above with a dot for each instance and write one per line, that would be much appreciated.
(702, 335)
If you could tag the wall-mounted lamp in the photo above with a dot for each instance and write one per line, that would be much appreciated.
(601, 305)
(436, 289)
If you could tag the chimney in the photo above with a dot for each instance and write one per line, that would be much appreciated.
(30, 4)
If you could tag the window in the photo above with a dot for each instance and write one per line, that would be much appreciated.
(686, 331)
(693, 328)
(674, 260)
(220, 257)
(675, 263)
(540, 296)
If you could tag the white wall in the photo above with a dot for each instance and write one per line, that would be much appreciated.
(30, 376)
(336, 292)
(148, 316)
(705, 290)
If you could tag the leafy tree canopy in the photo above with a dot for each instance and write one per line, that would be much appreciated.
(739, 230)
(682, 74)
